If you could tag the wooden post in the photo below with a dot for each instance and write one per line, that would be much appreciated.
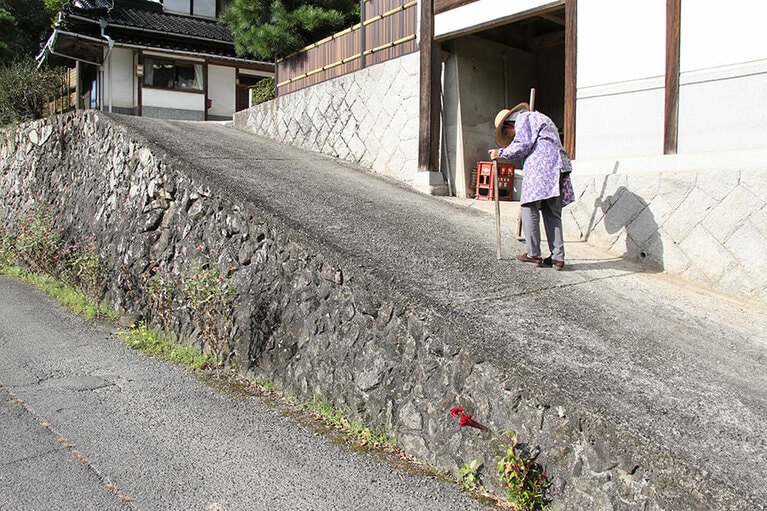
(497, 211)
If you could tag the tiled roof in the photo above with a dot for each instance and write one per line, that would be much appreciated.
(141, 21)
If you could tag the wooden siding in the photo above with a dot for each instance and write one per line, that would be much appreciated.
(446, 5)
(66, 99)
(387, 31)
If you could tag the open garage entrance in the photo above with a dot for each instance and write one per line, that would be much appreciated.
(487, 69)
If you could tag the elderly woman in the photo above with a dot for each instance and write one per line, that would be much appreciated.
(546, 189)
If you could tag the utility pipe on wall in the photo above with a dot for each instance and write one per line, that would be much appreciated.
(505, 81)
(108, 60)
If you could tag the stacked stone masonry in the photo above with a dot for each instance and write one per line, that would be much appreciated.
(316, 326)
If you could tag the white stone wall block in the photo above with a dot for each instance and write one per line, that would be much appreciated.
(660, 210)
(675, 187)
(644, 231)
(718, 184)
(600, 237)
(755, 180)
(358, 109)
(686, 214)
(710, 259)
(646, 184)
(758, 219)
(748, 246)
(737, 281)
(357, 148)
(729, 214)
(675, 260)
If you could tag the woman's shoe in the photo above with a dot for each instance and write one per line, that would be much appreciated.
(529, 259)
(550, 263)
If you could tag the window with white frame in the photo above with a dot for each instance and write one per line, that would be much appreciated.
(173, 74)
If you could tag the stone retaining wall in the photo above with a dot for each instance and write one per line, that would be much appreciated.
(317, 326)
(369, 117)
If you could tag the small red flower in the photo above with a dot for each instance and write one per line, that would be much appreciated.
(466, 420)
(457, 412)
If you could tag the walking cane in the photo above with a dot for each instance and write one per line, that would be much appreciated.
(497, 211)
(519, 215)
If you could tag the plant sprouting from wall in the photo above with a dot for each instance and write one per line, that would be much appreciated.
(161, 288)
(523, 480)
(211, 300)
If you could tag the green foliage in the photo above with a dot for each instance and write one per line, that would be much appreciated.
(161, 290)
(354, 428)
(469, 477)
(33, 21)
(38, 250)
(82, 268)
(271, 28)
(149, 340)
(37, 244)
(263, 91)
(9, 36)
(524, 482)
(24, 91)
(74, 299)
(54, 5)
(211, 298)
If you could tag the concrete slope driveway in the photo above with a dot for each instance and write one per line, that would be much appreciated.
(90, 424)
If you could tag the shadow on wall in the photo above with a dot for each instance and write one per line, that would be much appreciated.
(628, 220)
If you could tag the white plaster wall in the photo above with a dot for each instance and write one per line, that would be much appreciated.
(173, 99)
(721, 34)
(205, 8)
(123, 78)
(483, 12)
(723, 108)
(723, 60)
(619, 120)
(221, 89)
(620, 41)
(177, 6)
(620, 78)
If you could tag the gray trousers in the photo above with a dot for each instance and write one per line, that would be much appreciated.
(552, 223)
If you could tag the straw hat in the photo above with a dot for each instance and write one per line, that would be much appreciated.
(506, 115)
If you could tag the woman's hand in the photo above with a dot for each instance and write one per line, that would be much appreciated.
(493, 154)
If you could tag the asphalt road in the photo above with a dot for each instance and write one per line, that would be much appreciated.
(90, 424)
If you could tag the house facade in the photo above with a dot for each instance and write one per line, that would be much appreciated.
(171, 60)
(660, 105)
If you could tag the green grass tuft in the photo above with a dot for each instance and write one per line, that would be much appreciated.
(151, 341)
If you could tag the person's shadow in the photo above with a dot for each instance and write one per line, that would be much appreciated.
(627, 212)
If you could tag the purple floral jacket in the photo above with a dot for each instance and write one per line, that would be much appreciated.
(547, 166)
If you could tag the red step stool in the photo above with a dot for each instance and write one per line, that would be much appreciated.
(485, 183)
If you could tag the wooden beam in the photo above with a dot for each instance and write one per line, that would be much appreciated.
(428, 120)
(553, 19)
(671, 114)
(571, 58)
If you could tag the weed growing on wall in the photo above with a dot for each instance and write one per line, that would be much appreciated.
(354, 428)
(149, 340)
(211, 299)
(470, 477)
(524, 481)
(34, 246)
(161, 290)
(38, 246)
(82, 268)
